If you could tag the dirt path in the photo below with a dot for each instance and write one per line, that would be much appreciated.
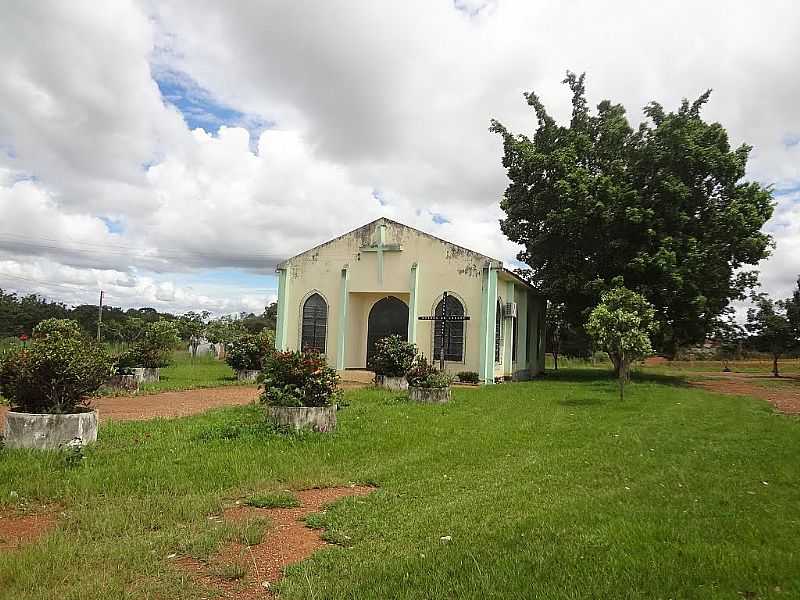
(167, 404)
(783, 392)
(287, 541)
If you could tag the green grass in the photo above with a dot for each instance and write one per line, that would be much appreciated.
(187, 373)
(549, 489)
(274, 500)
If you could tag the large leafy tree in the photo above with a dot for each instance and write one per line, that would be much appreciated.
(663, 206)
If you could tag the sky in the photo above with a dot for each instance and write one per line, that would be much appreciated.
(172, 152)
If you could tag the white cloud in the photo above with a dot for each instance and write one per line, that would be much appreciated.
(393, 98)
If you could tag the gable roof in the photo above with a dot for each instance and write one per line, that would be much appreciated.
(498, 263)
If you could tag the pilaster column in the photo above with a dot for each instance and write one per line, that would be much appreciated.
(488, 316)
(413, 311)
(341, 338)
(282, 325)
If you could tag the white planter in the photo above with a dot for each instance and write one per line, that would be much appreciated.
(247, 375)
(317, 418)
(394, 384)
(429, 395)
(49, 432)
(146, 374)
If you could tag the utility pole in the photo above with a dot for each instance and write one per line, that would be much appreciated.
(100, 316)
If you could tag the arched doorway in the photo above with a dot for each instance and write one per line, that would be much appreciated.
(387, 317)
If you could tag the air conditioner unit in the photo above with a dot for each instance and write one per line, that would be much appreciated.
(510, 310)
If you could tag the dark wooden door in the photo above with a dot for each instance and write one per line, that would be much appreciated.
(388, 316)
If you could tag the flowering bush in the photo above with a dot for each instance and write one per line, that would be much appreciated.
(298, 379)
(425, 375)
(154, 349)
(249, 351)
(393, 356)
(56, 372)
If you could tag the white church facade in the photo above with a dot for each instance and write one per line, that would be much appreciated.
(341, 296)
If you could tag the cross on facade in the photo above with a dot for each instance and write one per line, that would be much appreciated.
(446, 318)
(380, 248)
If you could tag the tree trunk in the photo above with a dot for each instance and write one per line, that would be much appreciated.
(555, 360)
(616, 361)
(775, 365)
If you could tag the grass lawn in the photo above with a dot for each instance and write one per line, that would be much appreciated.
(549, 489)
(186, 373)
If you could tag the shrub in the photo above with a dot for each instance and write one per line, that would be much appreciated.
(154, 350)
(425, 375)
(469, 377)
(298, 379)
(249, 351)
(56, 372)
(393, 356)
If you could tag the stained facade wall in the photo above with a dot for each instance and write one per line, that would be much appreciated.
(344, 273)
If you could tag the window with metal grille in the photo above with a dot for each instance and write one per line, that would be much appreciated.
(315, 324)
(453, 331)
(498, 331)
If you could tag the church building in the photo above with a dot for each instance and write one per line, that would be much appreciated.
(378, 280)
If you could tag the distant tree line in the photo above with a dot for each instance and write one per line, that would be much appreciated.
(20, 314)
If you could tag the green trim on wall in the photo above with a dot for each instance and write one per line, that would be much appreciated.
(488, 315)
(413, 311)
(341, 336)
(508, 337)
(281, 325)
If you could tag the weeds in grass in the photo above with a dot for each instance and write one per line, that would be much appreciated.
(274, 500)
(251, 531)
(229, 571)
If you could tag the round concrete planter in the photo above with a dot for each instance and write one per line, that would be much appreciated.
(146, 374)
(247, 375)
(49, 432)
(394, 384)
(317, 418)
(429, 395)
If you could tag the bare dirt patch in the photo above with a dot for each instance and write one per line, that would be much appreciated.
(173, 404)
(17, 529)
(287, 541)
(167, 404)
(782, 392)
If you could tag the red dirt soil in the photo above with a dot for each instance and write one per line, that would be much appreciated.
(785, 398)
(287, 541)
(16, 530)
(167, 404)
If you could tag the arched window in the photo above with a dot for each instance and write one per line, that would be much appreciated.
(498, 331)
(453, 331)
(315, 324)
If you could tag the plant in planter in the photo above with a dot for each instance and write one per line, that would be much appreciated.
(246, 355)
(300, 390)
(48, 384)
(146, 357)
(391, 360)
(468, 377)
(426, 383)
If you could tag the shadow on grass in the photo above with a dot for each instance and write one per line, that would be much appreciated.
(602, 375)
(582, 402)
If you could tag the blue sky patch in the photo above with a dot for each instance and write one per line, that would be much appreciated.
(201, 110)
(439, 219)
(115, 226)
(379, 197)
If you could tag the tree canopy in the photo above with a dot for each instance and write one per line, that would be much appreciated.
(663, 206)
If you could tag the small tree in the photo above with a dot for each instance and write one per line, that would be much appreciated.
(393, 356)
(298, 379)
(622, 325)
(554, 331)
(154, 348)
(223, 331)
(730, 336)
(771, 328)
(248, 352)
(192, 327)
